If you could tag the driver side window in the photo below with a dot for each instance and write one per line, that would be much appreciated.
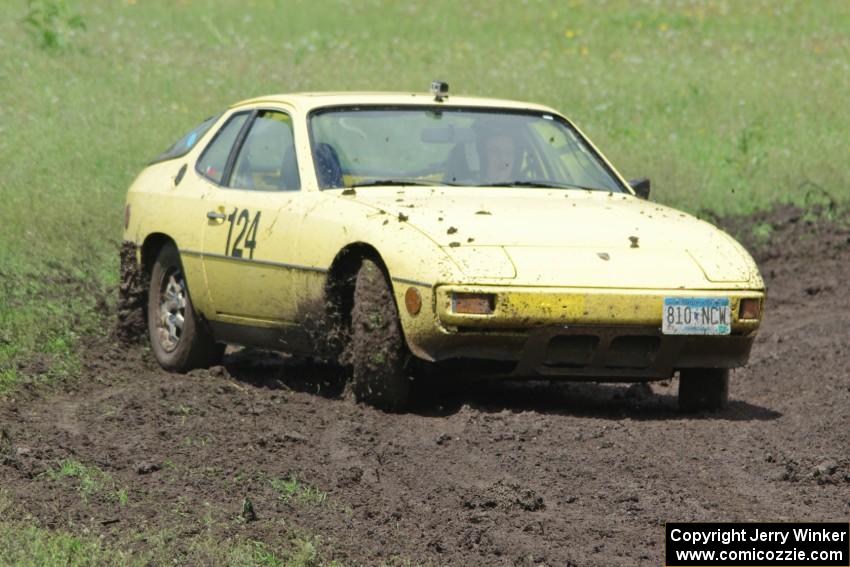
(213, 161)
(266, 160)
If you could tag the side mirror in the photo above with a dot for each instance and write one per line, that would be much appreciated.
(641, 187)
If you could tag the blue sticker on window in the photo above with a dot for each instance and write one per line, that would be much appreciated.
(191, 140)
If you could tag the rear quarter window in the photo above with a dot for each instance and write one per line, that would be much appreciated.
(182, 146)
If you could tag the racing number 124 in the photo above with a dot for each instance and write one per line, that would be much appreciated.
(247, 236)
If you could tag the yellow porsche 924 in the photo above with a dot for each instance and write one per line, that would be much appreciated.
(410, 232)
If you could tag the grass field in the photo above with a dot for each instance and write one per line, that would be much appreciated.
(728, 106)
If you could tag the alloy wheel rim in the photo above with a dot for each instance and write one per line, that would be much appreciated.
(172, 310)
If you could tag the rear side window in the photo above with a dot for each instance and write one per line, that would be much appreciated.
(182, 146)
(214, 159)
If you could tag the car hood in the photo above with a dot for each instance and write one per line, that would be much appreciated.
(569, 237)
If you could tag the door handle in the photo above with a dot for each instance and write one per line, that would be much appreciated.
(216, 216)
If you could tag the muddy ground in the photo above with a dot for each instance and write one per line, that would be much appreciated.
(484, 474)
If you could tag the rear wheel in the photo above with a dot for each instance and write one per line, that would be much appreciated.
(703, 389)
(378, 351)
(179, 340)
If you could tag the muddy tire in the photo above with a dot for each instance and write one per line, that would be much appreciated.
(703, 389)
(179, 339)
(378, 352)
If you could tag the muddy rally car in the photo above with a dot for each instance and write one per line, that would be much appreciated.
(415, 233)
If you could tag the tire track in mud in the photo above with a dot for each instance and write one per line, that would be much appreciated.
(482, 474)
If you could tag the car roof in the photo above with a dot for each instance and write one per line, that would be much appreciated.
(310, 100)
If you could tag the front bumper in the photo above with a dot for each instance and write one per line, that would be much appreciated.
(526, 307)
(593, 334)
(616, 353)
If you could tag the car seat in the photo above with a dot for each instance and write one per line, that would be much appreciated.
(328, 168)
(242, 177)
(457, 166)
(289, 178)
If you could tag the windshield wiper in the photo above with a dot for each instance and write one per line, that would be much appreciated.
(543, 184)
(398, 182)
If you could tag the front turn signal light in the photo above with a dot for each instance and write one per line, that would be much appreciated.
(413, 301)
(750, 308)
(473, 303)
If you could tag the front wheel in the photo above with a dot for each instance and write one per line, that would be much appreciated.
(703, 389)
(378, 351)
(180, 342)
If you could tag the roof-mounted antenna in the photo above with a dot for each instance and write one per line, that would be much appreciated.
(440, 90)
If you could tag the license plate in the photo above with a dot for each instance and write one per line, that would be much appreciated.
(696, 316)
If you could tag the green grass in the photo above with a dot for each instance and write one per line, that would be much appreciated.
(728, 106)
(25, 544)
(90, 479)
(292, 489)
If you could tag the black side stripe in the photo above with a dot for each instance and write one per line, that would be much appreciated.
(255, 261)
(287, 266)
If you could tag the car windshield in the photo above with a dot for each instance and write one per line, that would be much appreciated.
(370, 146)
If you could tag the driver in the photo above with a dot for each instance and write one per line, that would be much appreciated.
(498, 155)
